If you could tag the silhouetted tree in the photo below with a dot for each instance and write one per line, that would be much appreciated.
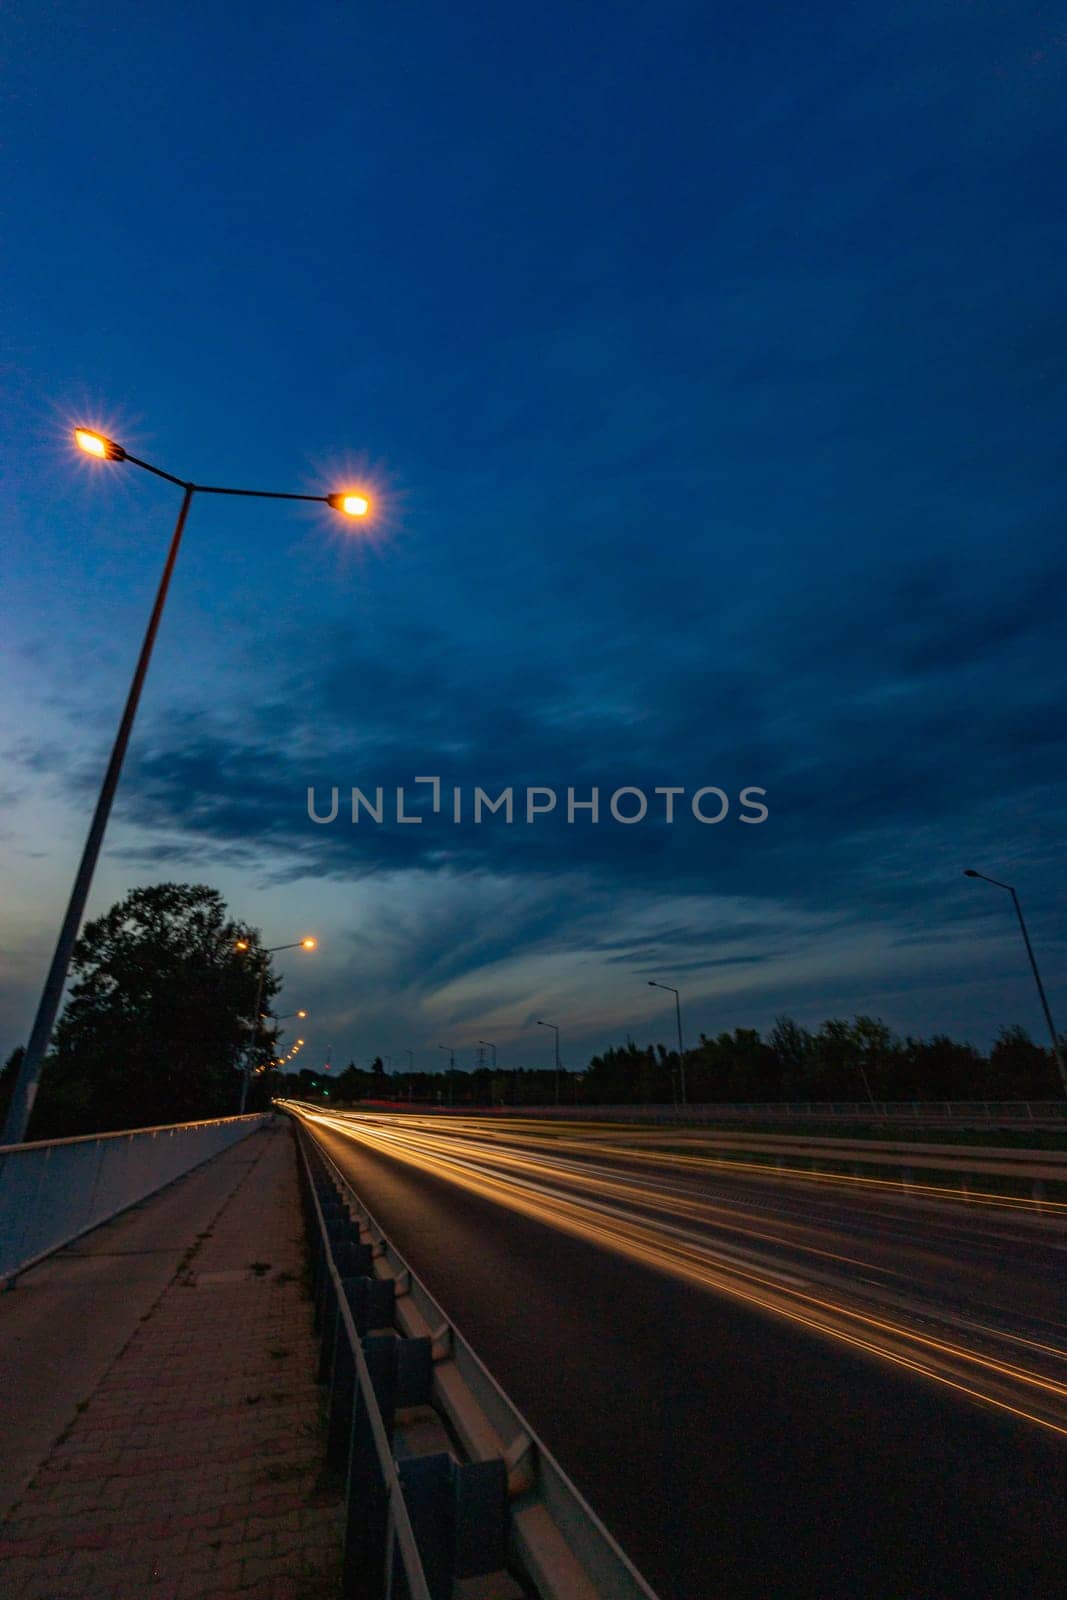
(158, 1019)
(841, 1060)
(8, 1074)
(1020, 1069)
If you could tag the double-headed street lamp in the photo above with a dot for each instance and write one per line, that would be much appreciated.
(652, 984)
(349, 504)
(243, 944)
(555, 1030)
(1057, 1048)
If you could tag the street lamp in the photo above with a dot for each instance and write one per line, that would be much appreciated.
(555, 1030)
(283, 1017)
(307, 943)
(1057, 1048)
(98, 445)
(652, 984)
(451, 1070)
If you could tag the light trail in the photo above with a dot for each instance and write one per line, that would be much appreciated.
(547, 1134)
(549, 1180)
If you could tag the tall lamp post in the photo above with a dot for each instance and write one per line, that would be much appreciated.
(555, 1030)
(243, 944)
(451, 1070)
(104, 449)
(652, 984)
(1057, 1048)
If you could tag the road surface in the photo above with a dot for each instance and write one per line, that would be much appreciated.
(766, 1385)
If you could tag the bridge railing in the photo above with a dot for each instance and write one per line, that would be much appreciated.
(51, 1192)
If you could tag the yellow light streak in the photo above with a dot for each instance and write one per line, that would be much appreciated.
(597, 1205)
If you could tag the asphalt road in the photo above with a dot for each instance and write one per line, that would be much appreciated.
(766, 1386)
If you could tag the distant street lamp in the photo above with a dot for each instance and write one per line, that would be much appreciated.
(98, 445)
(1057, 1048)
(652, 984)
(555, 1030)
(243, 944)
(451, 1070)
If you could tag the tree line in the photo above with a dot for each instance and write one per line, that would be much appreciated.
(158, 1028)
(843, 1059)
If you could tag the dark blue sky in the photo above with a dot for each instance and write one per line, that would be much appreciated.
(708, 367)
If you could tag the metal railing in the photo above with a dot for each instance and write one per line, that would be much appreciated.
(990, 1113)
(52, 1192)
(381, 1557)
(511, 1499)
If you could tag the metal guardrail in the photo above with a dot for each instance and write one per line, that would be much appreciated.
(52, 1192)
(366, 1376)
(992, 1113)
(1028, 1169)
(510, 1497)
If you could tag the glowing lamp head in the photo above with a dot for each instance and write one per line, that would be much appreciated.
(98, 445)
(309, 944)
(352, 505)
(241, 944)
(301, 1013)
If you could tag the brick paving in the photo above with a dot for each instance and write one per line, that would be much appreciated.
(194, 1470)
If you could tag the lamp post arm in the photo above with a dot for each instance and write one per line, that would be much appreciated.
(215, 488)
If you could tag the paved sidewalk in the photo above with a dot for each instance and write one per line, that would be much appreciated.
(191, 1469)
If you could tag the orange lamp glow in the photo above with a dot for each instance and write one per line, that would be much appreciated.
(301, 1013)
(353, 505)
(242, 944)
(99, 445)
(309, 944)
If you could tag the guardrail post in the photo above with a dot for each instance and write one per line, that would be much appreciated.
(458, 1515)
(342, 1395)
(414, 1372)
(338, 1230)
(372, 1302)
(481, 1498)
(429, 1497)
(363, 1574)
(330, 1317)
(379, 1349)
